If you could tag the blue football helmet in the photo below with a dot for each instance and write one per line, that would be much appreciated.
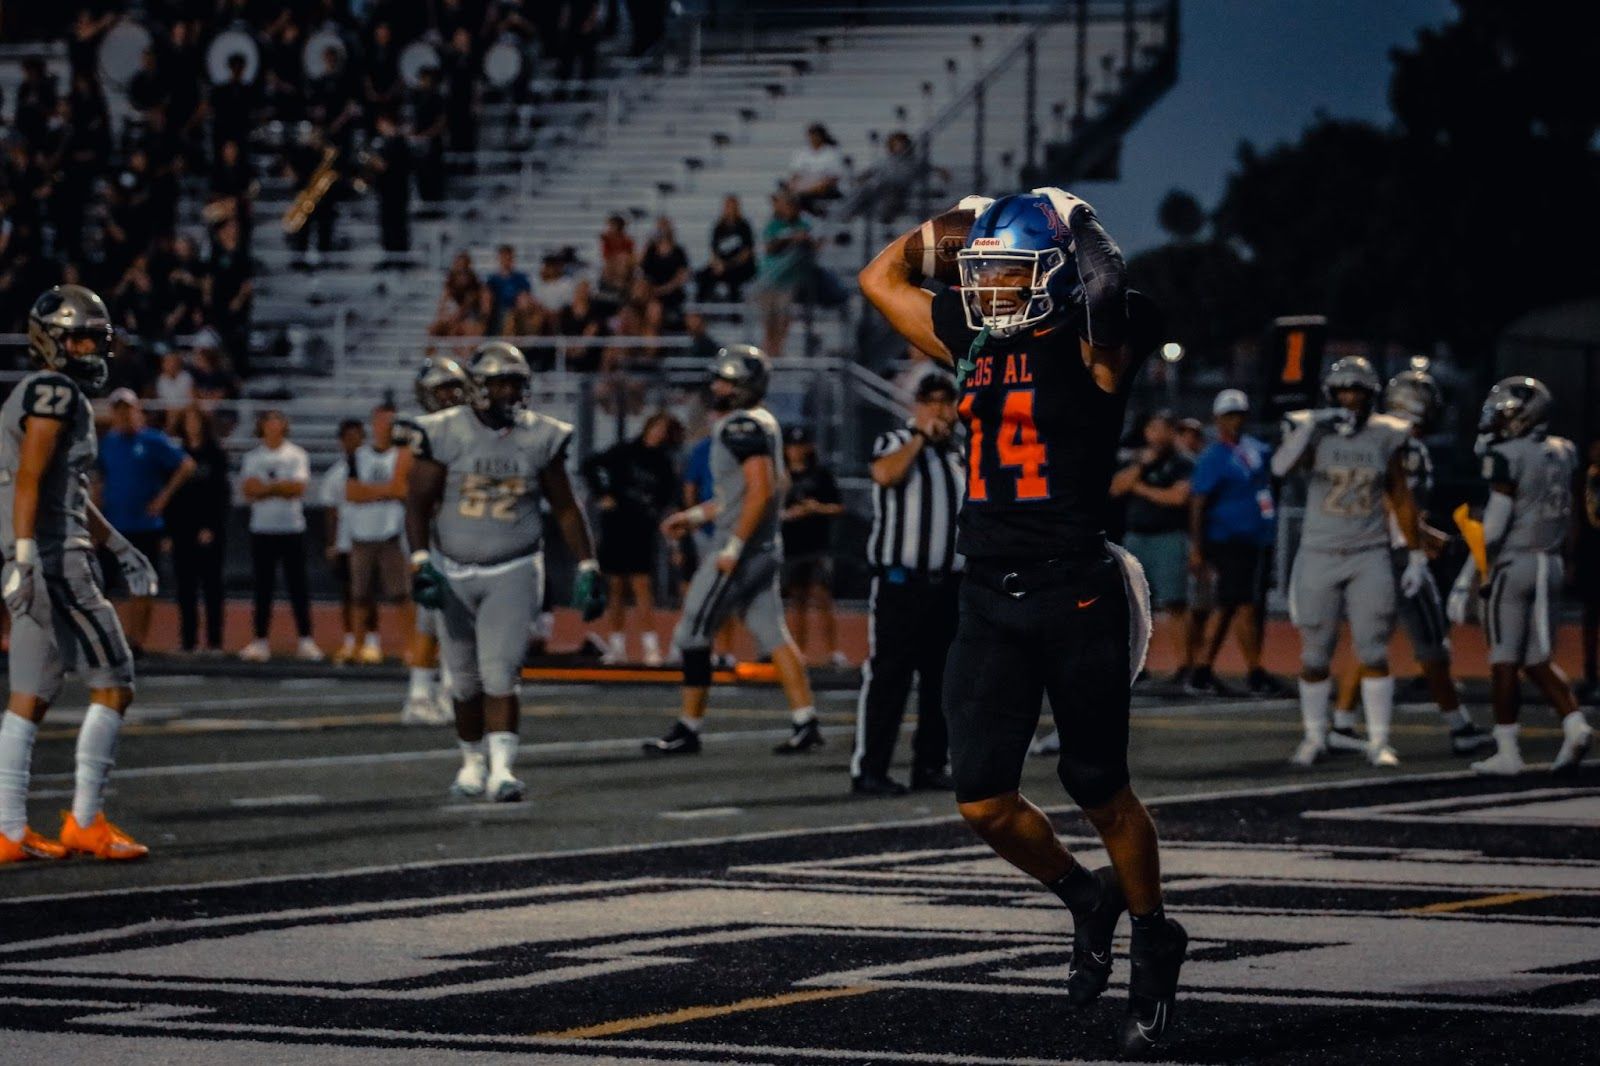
(1014, 267)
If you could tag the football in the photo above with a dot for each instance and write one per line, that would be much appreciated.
(931, 251)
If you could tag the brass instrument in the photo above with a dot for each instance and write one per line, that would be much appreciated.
(308, 199)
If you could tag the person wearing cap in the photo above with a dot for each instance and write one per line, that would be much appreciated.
(1191, 438)
(919, 477)
(1155, 486)
(139, 468)
(813, 503)
(1232, 524)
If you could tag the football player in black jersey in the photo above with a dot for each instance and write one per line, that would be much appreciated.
(1047, 340)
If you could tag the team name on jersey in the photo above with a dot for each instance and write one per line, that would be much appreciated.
(1015, 371)
(497, 465)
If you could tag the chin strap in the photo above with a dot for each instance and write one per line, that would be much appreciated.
(969, 362)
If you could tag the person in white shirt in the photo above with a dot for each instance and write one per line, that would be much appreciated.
(174, 387)
(274, 477)
(817, 170)
(336, 525)
(374, 512)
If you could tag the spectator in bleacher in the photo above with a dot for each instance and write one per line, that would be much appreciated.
(786, 265)
(461, 66)
(1156, 487)
(233, 190)
(89, 26)
(233, 107)
(128, 223)
(462, 302)
(894, 178)
(185, 289)
(619, 261)
(184, 61)
(701, 344)
(817, 171)
(733, 256)
(139, 469)
(229, 291)
(173, 389)
(526, 319)
(213, 381)
(393, 186)
(583, 318)
(578, 42)
(302, 159)
(336, 531)
(330, 99)
(36, 99)
(274, 477)
(197, 520)
(634, 484)
(554, 287)
(810, 507)
(381, 84)
(134, 305)
(504, 285)
(666, 267)
(428, 123)
(150, 88)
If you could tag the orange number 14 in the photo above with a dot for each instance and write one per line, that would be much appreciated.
(1018, 447)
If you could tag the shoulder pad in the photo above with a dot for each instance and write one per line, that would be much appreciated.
(1496, 465)
(50, 395)
(745, 437)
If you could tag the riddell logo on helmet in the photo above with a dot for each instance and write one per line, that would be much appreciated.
(987, 242)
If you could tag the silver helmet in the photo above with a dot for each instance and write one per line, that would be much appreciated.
(1515, 407)
(1414, 395)
(493, 361)
(746, 368)
(66, 313)
(1350, 372)
(440, 373)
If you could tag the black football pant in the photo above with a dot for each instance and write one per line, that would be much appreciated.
(198, 569)
(268, 551)
(913, 622)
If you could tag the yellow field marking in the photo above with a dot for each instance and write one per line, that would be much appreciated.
(1473, 904)
(695, 1014)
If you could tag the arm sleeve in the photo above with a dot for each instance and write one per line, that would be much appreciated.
(746, 438)
(1104, 278)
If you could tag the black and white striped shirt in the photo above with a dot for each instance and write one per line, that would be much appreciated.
(914, 522)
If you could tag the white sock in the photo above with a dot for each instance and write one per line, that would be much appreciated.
(1457, 718)
(502, 753)
(444, 676)
(1505, 738)
(651, 643)
(1344, 719)
(1377, 700)
(1314, 707)
(16, 757)
(422, 682)
(802, 715)
(97, 753)
(371, 641)
(471, 752)
(691, 724)
(1574, 725)
(349, 642)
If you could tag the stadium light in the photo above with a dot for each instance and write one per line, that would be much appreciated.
(1172, 352)
(1420, 362)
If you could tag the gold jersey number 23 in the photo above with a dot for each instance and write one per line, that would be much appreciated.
(492, 496)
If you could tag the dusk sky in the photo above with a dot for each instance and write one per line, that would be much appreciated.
(1255, 70)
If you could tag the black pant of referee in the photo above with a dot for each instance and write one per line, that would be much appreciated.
(913, 623)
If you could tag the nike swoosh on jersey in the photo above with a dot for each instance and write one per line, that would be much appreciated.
(1088, 603)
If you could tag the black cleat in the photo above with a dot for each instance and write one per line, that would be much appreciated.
(807, 737)
(1202, 682)
(1092, 931)
(873, 785)
(680, 740)
(1152, 988)
(936, 780)
(1470, 739)
(1263, 685)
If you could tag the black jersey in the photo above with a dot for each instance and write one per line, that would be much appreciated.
(1042, 440)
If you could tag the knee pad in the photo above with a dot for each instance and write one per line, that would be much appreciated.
(697, 667)
(1090, 785)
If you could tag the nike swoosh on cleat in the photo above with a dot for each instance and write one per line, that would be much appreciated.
(1097, 957)
(1154, 1026)
(1088, 603)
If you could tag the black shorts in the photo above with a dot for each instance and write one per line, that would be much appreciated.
(1240, 570)
(1072, 635)
(805, 572)
(627, 544)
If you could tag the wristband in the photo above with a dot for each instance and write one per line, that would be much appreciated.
(696, 515)
(732, 549)
(420, 557)
(588, 566)
(27, 552)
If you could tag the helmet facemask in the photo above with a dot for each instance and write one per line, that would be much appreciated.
(499, 412)
(1006, 290)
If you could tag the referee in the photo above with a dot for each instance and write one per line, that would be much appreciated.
(918, 474)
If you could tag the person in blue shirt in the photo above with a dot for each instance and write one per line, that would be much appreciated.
(505, 285)
(1232, 526)
(140, 469)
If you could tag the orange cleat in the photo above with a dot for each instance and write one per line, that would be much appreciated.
(99, 838)
(31, 846)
